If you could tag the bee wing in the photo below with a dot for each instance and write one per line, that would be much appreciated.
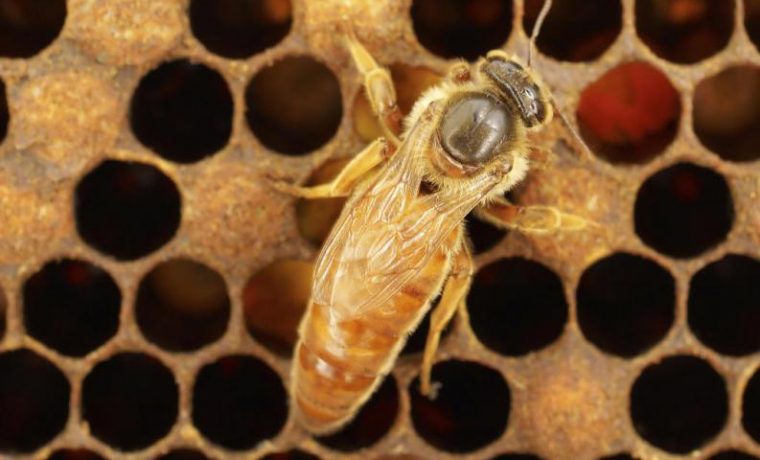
(388, 233)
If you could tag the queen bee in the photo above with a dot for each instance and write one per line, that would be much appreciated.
(399, 241)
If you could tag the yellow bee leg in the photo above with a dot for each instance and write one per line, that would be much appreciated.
(374, 154)
(530, 219)
(380, 90)
(454, 292)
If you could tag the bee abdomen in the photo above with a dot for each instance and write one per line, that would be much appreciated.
(338, 367)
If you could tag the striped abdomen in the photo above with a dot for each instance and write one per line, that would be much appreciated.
(336, 368)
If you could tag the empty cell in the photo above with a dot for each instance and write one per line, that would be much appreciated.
(182, 305)
(751, 407)
(575, 31)
(74, 454)
(34, 401)
(4, 114)
(626, 303)
(130, 401)
(274, 300)
(127, 209)
(72, 306)
(724, 305)
(685, 31)
(679, 404)
(732, 455)
(184, 454)
(290, 455)
(516, 306)
(374, 420)
(182, 111)
(683, 210)
(630, 114)
(239, 401)
(470, 411)
(728, 121)
(29, 26)
(294, 106)
(240, 28)
(461, 28)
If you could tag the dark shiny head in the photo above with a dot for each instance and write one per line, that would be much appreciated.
(474, 127)
(518, 85)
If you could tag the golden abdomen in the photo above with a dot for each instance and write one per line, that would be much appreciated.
(337, 367)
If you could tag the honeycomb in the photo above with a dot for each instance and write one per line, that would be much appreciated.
(151, 280)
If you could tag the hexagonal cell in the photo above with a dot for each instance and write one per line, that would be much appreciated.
(130, 401)
(27, 27)
(240, 28)
(374, 420)
(679, 404)
(630, 114)
(182, 111)
(127, 209)
(732, 455)
(74, 454)
(470, 411)
(626, 303)
(410, 81)
(182, 305)
(724, 305)
(184, 454)
(34, 401)
(239, 401)
(4, 114)
(531, 317)
(72, 306)
(294, 106)
(315, 218)
(274, 300)
(575, 31)
(683, 210)
(751, 407)
(290, 455)
(728, 121)
(461, 28)
(685, 31)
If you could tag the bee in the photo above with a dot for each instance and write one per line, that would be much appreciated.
(400, 241)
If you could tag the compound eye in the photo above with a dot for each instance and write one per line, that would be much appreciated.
(474, 127)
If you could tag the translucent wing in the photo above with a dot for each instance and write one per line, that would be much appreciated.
(388, 232)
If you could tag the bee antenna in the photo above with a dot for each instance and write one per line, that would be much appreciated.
(537, 28)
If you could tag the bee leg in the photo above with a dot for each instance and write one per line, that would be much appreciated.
(530, 219)
(454, 292)
(380, 90)
(374, 154)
